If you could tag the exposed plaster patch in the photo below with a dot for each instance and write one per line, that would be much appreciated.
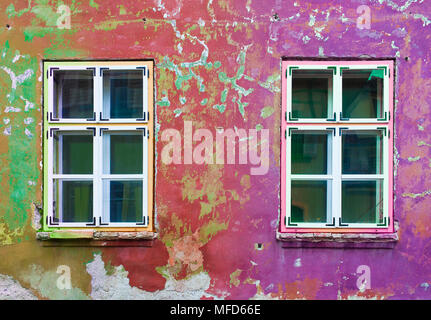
(11, 289)
(18, 79)
(28, 105)
(116, 285)
(297, 263)
(413, 159)
(7, 131)
(45, 283)
(425, 285)
(36, 218)
(11, 109)
(415, 195)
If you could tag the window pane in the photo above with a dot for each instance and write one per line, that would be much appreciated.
(362, 93)
(73, 94)
(310, 152)
(123, 94)
(75, 153)
(124, 200)
(125, 152)
(362, 152)
(73, 201)
(362, 201)
(310, 95)
(309, 201)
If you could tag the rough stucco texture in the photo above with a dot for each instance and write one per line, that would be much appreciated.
(217, 63)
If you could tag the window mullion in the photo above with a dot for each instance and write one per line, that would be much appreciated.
(386, 176)
(337, 165)
(145, 210)
(98, 158)
(337, 97)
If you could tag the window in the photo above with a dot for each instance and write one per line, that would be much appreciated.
(98, 145)
(337, 154)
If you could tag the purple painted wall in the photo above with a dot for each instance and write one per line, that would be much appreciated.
(211, 218)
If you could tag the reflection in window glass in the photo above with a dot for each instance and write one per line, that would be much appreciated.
(74, 153)
(362, 152)
(362, 93)
(309, 201)
(123, 94)
(362, 201)
(124, 200)
(73, 201)
(73, 94)
(311, 93)
(123, 153)
(310, 152)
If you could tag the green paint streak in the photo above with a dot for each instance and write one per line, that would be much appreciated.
(416, 195)
(164, 102)
(178, 112)
(206, 208)
(21, 159)
(232, 81)
(413, 159)
(266, 112)
(259, 127)
(423, 143)
(272, 82)
(210, 229)
(204, 101)
(220, 107)
(224, 95)
(93, 4)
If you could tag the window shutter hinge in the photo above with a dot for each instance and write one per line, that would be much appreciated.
(342, 224)
(93, 69)
(331, 224)
(144, 222)
(101, 71)
(101, 223)
(93, 223)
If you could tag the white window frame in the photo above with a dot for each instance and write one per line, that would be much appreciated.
(335, 114)
(97, 126)
(99, 211)
(98, 93)
(334, 199)
(335, 126)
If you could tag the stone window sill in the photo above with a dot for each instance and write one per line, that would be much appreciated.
(81, 238)
(339, 240)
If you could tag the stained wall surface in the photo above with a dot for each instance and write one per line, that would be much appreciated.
(217, 64)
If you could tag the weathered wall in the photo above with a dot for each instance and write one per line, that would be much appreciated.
(218, 65)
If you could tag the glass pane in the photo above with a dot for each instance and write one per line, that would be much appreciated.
(311, 97)
(362, 201)
(362, 152)
(124, 200)
(73, 94)
(362, 93)
(73, 201)
(309, 201)
(125, 152)
(75, 153)
(123, 94)
(310, 152)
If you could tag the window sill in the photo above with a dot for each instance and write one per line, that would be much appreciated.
(339, 240)
(95, 238)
